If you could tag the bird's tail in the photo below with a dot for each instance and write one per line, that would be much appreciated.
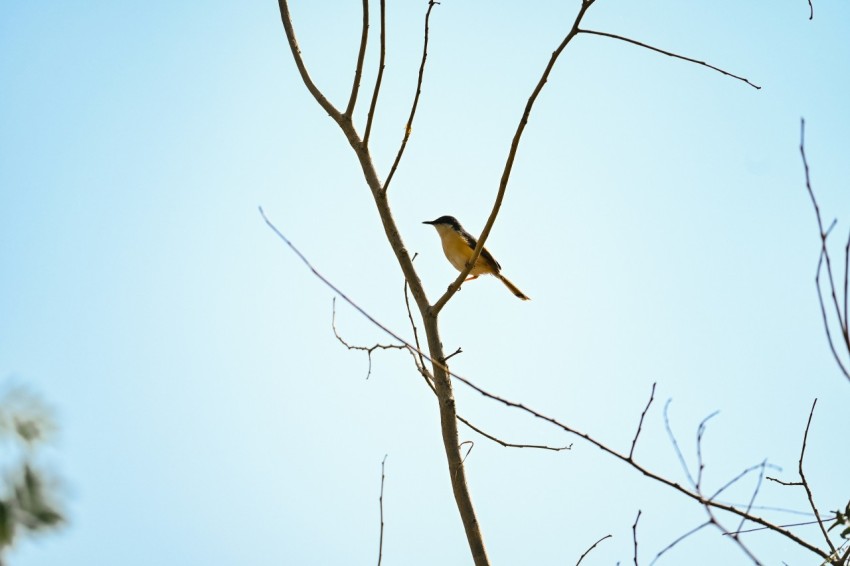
(513, 288)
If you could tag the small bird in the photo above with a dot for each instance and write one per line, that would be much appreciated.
(458, 245)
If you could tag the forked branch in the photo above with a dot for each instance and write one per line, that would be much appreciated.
(825, 260)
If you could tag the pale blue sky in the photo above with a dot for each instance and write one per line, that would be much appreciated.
(656, 215)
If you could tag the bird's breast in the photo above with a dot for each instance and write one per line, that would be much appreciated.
(458, 253)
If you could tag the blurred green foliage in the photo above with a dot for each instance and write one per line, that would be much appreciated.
(27, 502)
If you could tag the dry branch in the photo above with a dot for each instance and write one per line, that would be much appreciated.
(586, 552)
(669, 54)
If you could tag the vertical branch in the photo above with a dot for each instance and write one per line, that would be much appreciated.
(824, 259)
(640, 424)
(381, 505)
(442, 383)
(846, 278)
(358, 71)
(381, 64)
(634, 536)
(409, 127)
(806, 483)
(509, 163)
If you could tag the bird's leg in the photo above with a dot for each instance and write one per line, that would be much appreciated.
(470, 278)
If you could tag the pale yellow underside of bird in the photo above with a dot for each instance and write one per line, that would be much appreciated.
(458, 252)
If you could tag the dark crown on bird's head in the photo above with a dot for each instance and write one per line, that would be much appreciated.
(446, 221)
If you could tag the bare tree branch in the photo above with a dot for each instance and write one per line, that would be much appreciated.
(752, 497)
(453, 354)
(358, 72)
(678, 540)
(634, 536)
(700, 433)
(509, 163)
(740, 476)
(640, 423)
(328, 283)
(367, 349)
(381, 64)
(784, 482)
(586, 552)
(824, 258)
(811, 10)
(786, 525)
(806, 483)
(299, 62)
(409, 127)
(675, 444)
(421, 362)
(643, 470)
(381, 505)
(696, 496)
(669, 53)
(510, 444)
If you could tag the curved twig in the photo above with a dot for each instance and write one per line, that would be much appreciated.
(299, 62)
(586, 552)
(669, 54)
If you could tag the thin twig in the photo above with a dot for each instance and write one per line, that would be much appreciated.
(846, 278)
(824, 258)
(811, 10)
(453, 354)
(669, 54)
(471, 446)
(511, 444)
(509, 162)
(741, 475)
(676, 444)
(825, 318)
(358, 72)
(328, 283)
(784, 526)
(381, 64)
(700, 433)
(586, 552)
(735, 539)
(367, 349)
(784, 482)
(640, 423)
(381, 505)
(678, 540)
(753, 497)
(409, 127)
(806, 483)
(634, 536)
(421, 363)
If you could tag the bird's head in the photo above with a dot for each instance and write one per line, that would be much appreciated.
(445, 221)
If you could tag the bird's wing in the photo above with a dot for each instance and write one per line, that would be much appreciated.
(472, 242)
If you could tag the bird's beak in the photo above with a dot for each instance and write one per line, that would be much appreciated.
(431, 222)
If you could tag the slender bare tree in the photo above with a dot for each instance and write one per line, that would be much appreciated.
(432, 360)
